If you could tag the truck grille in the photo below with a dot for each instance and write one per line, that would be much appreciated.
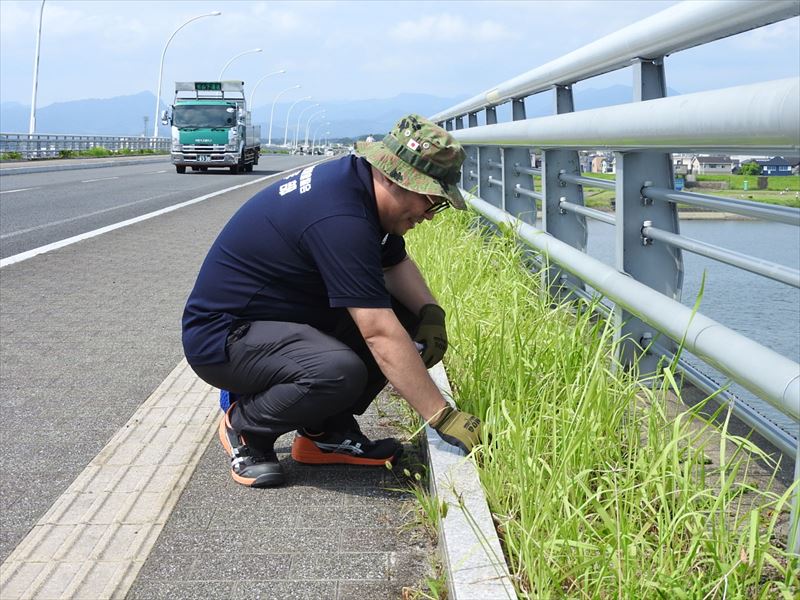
(204, 148)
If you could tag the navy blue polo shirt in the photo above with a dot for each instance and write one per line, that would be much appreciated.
(301, 250)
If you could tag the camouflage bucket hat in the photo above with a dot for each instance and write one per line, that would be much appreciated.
(419, 156)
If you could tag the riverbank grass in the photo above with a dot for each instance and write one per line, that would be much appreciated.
(596, 490)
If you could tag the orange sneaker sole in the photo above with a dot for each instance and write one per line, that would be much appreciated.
(222, 431)
(305, 451)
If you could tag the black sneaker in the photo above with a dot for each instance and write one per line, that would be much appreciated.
(248, 467)
(349, 448)
(256, 471)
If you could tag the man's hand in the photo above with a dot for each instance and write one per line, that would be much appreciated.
(458, 428)
(432, 334)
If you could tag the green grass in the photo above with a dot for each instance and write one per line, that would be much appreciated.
(787, 183)
(597, 492)
(95, 152)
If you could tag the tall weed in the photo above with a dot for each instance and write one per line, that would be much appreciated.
(596, 490)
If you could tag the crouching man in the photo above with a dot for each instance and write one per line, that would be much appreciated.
(307, 303)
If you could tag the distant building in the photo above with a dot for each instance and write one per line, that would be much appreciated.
(602, 163)
(712, 165)
(681, 164)
(776, 166)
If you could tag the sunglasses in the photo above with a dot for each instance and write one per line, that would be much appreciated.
(437, 205)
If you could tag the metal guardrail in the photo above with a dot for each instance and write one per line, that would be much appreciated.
(51, 145)
(645, 283)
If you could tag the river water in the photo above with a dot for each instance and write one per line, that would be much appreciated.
(762, 309)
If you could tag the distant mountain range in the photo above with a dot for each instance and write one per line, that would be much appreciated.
(124, 115)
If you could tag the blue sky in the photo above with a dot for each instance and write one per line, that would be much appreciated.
(345, 50)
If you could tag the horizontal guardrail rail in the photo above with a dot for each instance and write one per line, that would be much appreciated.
(767, 212)
(766, 268)
(512, 165)
(689, 123)
(53, 145)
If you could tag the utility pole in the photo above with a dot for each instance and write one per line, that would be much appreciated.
(146, 119)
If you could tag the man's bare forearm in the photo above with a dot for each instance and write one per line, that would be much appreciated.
(398, 359)
(405, 282)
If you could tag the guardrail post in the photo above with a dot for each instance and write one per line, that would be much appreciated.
(514, 157)
(567, 227)
(658, 266)
(649, 81)
(490, 168)
(469, 172)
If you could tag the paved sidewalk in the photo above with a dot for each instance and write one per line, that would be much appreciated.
(333, 532)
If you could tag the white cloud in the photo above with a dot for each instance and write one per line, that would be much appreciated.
(450, 28)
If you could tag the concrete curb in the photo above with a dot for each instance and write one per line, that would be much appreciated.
(82, 164)
(470, 549)
(97, 535)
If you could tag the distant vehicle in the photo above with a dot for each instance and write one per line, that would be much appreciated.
(211, 127)
(328, 152)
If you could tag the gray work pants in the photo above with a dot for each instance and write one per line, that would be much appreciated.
(290, 375)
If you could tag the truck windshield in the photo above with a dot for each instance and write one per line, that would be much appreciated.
(203, 115)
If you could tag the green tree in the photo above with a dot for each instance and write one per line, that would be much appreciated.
(750, 168)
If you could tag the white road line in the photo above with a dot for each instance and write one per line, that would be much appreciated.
(100, 179)
(153, 172)
(90, 234)
(12, 191)
(79, 217)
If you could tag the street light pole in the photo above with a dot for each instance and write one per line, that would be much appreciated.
(297, 129)
(314, 137)
(272, 112)
(227, 64)
(216, 13)
(286, 129)
(308, 123)
(32, 122)
(255, 87)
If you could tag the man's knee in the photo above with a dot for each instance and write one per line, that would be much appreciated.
(344, 374)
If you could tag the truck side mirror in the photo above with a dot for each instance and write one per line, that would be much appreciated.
(165, 118)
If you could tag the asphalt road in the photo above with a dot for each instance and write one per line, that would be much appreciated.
(41, 208)
(88, 331)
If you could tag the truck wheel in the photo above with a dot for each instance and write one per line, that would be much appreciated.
(180, 169)
(235, 169)
(249, 168)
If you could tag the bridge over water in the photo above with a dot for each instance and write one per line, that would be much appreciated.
(524, 173)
